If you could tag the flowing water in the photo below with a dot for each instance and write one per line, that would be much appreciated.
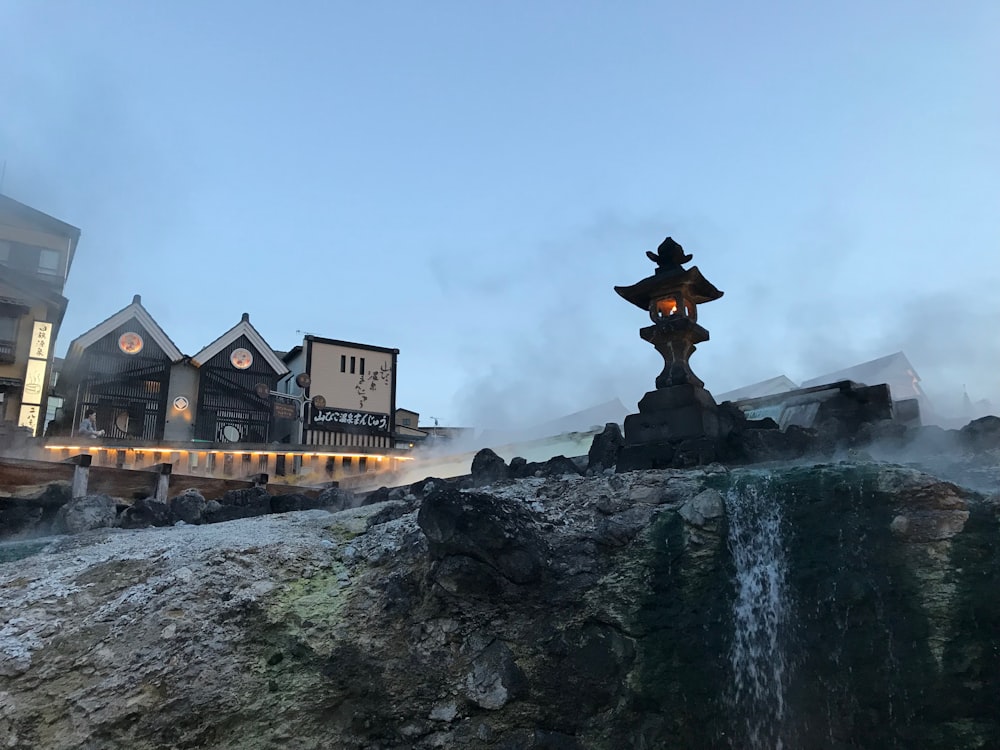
(761, 615)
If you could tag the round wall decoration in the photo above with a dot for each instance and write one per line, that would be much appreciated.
(130, 343)
(241, 358)
(181, 403)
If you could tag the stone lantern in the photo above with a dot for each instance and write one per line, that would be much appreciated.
(678, 423)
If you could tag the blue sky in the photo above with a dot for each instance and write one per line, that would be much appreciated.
(468, 181)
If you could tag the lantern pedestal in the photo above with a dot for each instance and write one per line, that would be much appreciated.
(676, 426)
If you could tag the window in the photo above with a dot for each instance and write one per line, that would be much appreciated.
(343, 363)
(8, 328)
(362, 365)
(48, 262)
(352, 365)
(406, 421)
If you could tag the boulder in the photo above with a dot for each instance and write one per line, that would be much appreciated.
(519, 468)
(334, 499)
(144, 513)
(189, 506)
(245, 503)
(605, 449)
(292, 502)
(32, 511)
(487, 468)
(557, 466)
(86, 513)
(982, 433)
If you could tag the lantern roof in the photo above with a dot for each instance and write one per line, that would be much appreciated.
(670, 277)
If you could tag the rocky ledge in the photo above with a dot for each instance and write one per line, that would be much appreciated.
(607, 611)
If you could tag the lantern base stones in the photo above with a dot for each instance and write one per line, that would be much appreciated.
(676, 427)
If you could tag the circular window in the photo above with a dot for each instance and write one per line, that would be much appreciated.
(231, 434)
(241, 359)
(130, 343)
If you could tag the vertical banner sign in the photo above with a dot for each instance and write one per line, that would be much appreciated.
(35, 386)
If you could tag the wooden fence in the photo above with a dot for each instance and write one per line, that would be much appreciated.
(129, 484)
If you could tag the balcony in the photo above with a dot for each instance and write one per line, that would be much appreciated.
(7, 349)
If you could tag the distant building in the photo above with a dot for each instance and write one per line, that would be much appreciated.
(894, 370)
(407, 432)
(36, 253)
(586, 420)
(770, 387)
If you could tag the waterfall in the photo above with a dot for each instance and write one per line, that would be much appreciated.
(761, 615)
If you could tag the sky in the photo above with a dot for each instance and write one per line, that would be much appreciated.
(468, 181)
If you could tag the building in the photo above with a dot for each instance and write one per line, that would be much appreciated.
(894, 370)
(408, 434)
(770, 387)
(143, 387)
(36, 254)
(235, 376)
(324, 411)
(351, 390)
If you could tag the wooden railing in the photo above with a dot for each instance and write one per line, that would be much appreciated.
(154, 481)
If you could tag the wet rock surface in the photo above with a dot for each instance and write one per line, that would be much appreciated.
(546, 612)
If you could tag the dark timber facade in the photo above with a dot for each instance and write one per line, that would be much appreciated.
(229, 409)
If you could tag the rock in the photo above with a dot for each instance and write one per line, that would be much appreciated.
(335, 498)
(380, 495)
(475, 526)
(388, 627)
(982, 433)
(390, 512)
(703, 507)
(189, 506)
(444, 712)
(519, 468)
(558, 466)
(621, 528)
(144, 513)
(245, 503)
(494, 678)
(86, 513)
(605, 449)
(32, 511)
(292, 502)
(487, 468)
(759, 445)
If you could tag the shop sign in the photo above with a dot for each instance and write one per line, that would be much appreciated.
(338, 420)
(41, 340)
(29, 417)
(286, 410)
(34, 382)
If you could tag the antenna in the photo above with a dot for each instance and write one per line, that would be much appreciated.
(305, 333)
(435, 420)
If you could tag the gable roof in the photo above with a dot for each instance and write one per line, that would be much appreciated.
(871, 372)
(134, 311)
(243, 328)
